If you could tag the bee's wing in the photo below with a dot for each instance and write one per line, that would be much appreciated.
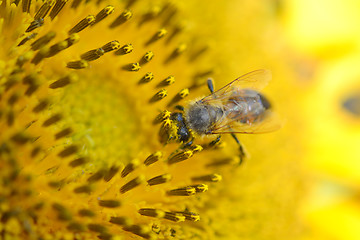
(257, 80)
(269, 123)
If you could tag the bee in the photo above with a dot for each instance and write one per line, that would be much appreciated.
(238, 107)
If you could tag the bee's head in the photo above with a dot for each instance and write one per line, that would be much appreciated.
(174, 129)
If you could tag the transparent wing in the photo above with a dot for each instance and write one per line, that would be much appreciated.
(257, 80)
(269, 122)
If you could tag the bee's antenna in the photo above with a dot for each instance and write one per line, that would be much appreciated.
(210, 83)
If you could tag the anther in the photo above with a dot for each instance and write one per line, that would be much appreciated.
(78, 162)
(184, 191)
(52, 120)
(134, 67)
(97, 176)
(40, 55)
(22, 59)
(57, 8)
(167, 81)
(126, 49)
(31, 36)
(124, 221)
(111, 173)
(76, 227)
(89, 20)
(13, 98)
(109, 203)
(122, 18)
(153, 158)
(175, 217)
(92, 54)
(159, 95)
(42, 41)
(104, 13)
(83, 189)
(63, 133)
(225, 161)
(86, 213)
(97, 228)
(35, 24)
(26, 5)
(179, 50)
(200, 188)
(208, 178)
(130, 167)
(181, 95)
(44, 9)
(141, 230)
(132, 184)
(147, 57)
(158, 35)
(151, 212)
(77, 64)
(148, 77)
(179, 157)
(190, 216)
(41, 106)
(63, 213)
(20, 138)
(162, 116)
(70, 150)
(159, 179)
(111, 46)
(62, 82)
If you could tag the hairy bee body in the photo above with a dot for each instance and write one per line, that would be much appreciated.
(231, 109)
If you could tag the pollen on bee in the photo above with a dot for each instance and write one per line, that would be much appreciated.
(77, 64)
(42, 41)
(89, 20)
(122, 18)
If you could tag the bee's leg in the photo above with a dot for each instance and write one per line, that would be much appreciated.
(214, 142)
(241, 148)
(179, 107)
(210, 83)
(187, 144)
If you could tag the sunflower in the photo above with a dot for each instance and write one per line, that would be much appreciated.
(86, 88)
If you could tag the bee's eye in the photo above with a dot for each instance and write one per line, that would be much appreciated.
(265, 102)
